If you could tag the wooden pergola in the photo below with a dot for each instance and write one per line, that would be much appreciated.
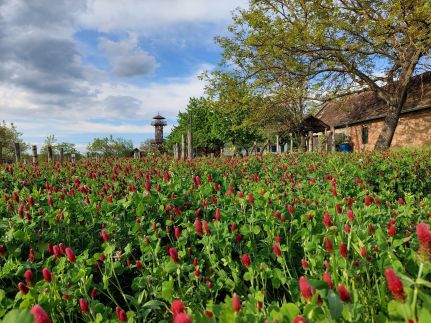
(311, 128)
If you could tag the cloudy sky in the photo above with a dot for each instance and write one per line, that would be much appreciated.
(81, 69)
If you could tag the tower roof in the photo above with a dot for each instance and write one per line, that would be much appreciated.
(158, 117)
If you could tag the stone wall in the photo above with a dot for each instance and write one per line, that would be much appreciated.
(413, 130)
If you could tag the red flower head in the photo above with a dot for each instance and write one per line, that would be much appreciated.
(138, 264)
(70, 255)
(368, 200)
(338, 207)
(121, 314)
(182, 318)
(250, 199)
(236, 303)
(174, 255)
(326, 219)
(304, 264)
(28, 275)
(198, 226)
(371, 229)
(290, 209)
(347, 229)
(401, 201)
(39, 314)
(246, 260)
(343, 250)
(277, 250)
(344, 294)
(391, 230)
(299, 319)
(217, 214)
(31, 255)
(395, 285)
(105, 235)
(363, 252)
(327, 279)
(83, 305)
(424, 237)
(328, 245)
(350, 215)
(22, 288)
(56, 251)
(177, 232)
(47, 275)
(306, 289)
(177, 307)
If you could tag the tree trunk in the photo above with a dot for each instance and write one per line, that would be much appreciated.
(389, 126)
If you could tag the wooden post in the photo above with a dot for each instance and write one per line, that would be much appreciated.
(277, 142)
(183, 147)
(332, 138)
(61, 154)
(190, 139)
(291, 142)
(310, 141)
(176, 151)
(17, 152)
(136, 154)
(326, 140)
(318, 142)
(34, 153)
(49, 154)
(303, 144)
(73, 157)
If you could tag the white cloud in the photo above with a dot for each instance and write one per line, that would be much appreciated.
(152, 14)
(127, 58)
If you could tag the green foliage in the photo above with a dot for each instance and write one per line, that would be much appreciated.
(332, 47)
(272, 201)
(9, 135)
(110, 147)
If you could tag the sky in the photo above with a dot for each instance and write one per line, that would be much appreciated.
(81, 69)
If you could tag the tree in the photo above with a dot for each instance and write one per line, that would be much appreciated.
(9, 135)
(69, 149)
(110, 147)
(207, 127)
(49, 141)
(339, 47)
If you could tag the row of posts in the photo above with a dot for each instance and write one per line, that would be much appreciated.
(34, 153)
(182, 154)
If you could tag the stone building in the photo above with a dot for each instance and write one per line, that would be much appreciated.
(361, 117)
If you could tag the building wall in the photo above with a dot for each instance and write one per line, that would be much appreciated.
(413, 130)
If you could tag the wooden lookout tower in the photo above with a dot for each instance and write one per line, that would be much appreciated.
(158, 123)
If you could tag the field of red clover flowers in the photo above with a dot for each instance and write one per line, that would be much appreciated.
(278, 238)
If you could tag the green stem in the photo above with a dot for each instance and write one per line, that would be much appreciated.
(415, 293)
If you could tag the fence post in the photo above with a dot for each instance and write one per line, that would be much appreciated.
(183, 147)
(176, 151)
(34, 153)
(291, 142)
(310, 141)
(61, 154)
(17, 152)
(332, 138)
(190, 139)
(49, 154)
(278, 144)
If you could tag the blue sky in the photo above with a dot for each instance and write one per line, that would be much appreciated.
(90, 68)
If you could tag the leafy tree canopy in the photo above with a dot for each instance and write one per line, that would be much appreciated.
(9, 135)
(336, 47)
(110, 147)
